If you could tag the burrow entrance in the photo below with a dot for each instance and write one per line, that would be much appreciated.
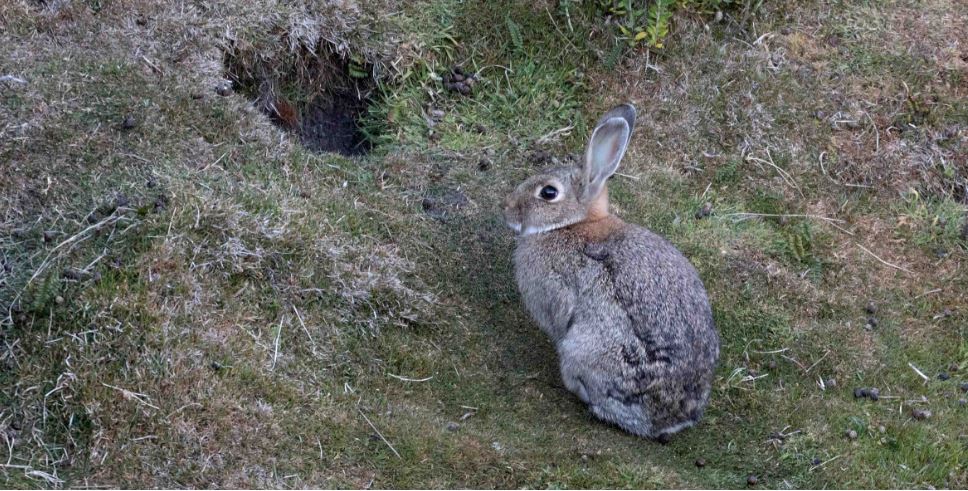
(320, 96)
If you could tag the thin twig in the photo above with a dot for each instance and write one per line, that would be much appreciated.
(379, 434)
(936, 290)
(408, 379)
(573, 48)
(628, 176)
(818, 361)
(13, 79)
(554, 134)
(215, 162)
(883, 261)
(780, 215)
(824, 463)
(703, 196)
(303, 324)
(142, 398)
(824, 171)
(275, 355)
(152, 65)
(919, 372)
(877, 134)
(783, 174)
(6, 438)
(794, 360)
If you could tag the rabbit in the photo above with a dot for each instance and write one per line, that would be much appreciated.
(627, 312)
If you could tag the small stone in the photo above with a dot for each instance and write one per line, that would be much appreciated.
(953, 367)
(785, 31)
(48, 236)
(772, 365)
(705, 211)
(121, 201)
(963, 402)
(59, 300)
(151, 183)
(700, 463)
(752, 480)
(860, 393)
(129, 122)
(871, 308)
(920, 414)
(483, 165)
(815, 462)
(943, 376)
(452, 427)
(872, 321)
(224, 90)
(874, 394)
(831, 382)
(851, 434)
(161, 202)
(882, 429)
(963, 386)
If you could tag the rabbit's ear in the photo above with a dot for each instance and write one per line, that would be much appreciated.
(624, 111)
(606, 148)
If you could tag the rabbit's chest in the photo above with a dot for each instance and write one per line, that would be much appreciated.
(557, 285)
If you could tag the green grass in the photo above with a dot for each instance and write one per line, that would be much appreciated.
(285, 319)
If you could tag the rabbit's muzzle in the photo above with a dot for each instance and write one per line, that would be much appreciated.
(513, 216)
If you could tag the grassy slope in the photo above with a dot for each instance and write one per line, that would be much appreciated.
(256, 304)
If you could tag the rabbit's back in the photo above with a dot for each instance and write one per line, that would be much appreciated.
(630, 318)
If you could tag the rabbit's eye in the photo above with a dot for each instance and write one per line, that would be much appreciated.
(548, 193)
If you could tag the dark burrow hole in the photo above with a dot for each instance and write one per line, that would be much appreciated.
(320, 96)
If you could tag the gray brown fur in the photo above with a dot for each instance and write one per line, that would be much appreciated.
(626, 310)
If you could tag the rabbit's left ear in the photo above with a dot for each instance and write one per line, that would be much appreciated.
(606, 148)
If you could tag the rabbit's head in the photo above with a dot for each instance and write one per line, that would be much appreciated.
(563, 196)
